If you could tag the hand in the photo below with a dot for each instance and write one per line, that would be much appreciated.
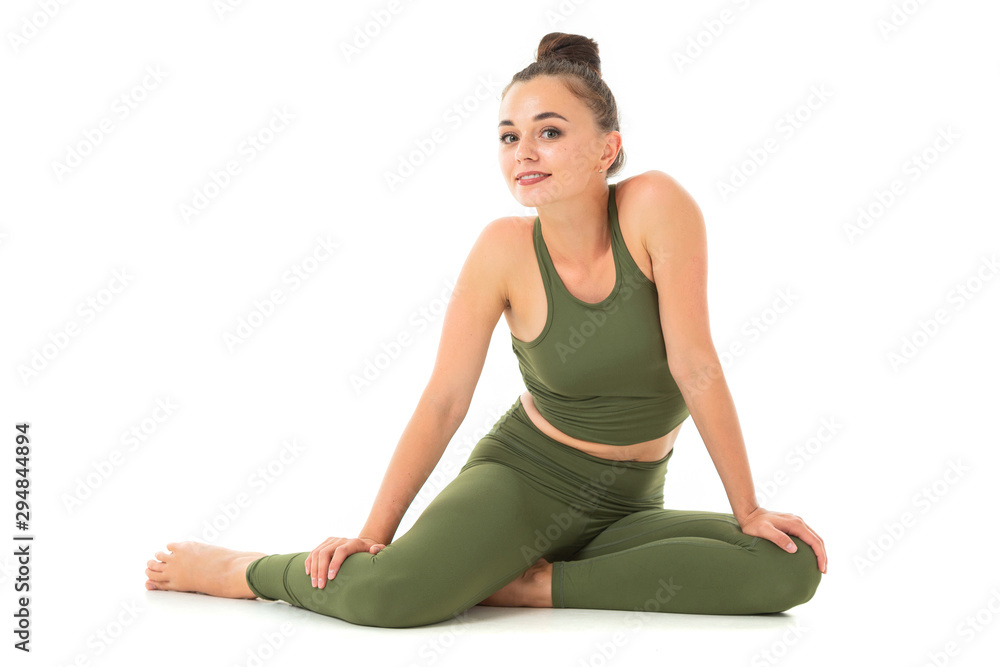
(325, 560)
(777, 527)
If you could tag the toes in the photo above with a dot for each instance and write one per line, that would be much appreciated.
(156, 565)
(151, 586)
(162, 556)
(156, 576)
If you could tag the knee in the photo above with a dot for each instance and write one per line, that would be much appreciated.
(792, 578)
(394, 601)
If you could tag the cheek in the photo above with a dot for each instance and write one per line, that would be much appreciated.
(580, 157)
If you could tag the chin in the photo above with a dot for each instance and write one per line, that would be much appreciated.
(534, 195)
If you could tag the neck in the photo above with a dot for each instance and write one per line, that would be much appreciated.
(577, 230)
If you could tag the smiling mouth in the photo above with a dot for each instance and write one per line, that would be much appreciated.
(531, 178)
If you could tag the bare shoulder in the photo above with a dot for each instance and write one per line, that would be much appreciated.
(505, 236)
(663, 212)
(654, 194)
(510, 226)
(501, 246)
(509, 236)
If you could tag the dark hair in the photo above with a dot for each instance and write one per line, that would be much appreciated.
(575, 60)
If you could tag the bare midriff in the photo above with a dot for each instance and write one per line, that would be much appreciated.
(651, 450)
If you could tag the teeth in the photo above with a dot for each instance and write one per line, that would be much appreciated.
(530, 176)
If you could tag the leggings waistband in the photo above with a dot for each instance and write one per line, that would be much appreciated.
(570, 473)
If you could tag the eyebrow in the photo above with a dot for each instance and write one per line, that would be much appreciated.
(541, 116)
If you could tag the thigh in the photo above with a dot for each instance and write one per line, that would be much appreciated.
(685, 561)
(647, 526)
(476, 536)
(473, 538)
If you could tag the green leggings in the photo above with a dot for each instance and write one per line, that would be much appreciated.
(523, 496)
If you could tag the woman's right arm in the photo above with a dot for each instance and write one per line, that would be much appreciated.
(475, 306)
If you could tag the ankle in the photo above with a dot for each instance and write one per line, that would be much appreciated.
(540, 590)
(238, 576)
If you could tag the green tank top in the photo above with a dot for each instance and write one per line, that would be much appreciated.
(598, 371)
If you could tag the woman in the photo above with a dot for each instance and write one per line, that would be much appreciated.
(561, 503)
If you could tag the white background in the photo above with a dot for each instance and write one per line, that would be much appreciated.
(162, 335)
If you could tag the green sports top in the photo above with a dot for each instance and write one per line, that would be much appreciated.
(598, 371)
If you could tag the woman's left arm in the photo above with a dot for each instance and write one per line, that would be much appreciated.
(674, 236)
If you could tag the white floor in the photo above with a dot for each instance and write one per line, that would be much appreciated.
(173, 178)
(97, 612)
(230, 632)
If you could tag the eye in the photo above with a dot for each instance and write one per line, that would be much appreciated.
(503, 137)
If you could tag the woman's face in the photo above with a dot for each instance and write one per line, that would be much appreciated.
(568, 146)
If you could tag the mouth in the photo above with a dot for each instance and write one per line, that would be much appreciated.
(531, 178)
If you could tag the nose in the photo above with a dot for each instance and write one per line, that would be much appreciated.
(525, 150)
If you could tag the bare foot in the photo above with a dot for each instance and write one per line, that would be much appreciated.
(532, 589)
(195, 567)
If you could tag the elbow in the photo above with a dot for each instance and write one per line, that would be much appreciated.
(446, 406)
(695, 373)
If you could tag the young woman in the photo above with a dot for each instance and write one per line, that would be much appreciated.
(561, 503)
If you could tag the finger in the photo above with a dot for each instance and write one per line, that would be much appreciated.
(339, 556)
(800, 529)
(810, 537)
(317, 563)
(771, 532)
(323, 565)
(311, 570)
(324, 573)
(312, 558)
(337, 561)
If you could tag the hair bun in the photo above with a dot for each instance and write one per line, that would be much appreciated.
(571, 47)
